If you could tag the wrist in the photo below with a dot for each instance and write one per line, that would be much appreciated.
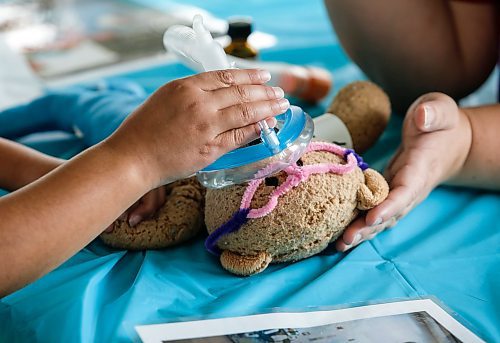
(132, 163)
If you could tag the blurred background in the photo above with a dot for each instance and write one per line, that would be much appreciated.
(65, 42)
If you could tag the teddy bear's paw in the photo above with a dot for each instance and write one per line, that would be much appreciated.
(373, 191)
(179, 219)
(245, 265)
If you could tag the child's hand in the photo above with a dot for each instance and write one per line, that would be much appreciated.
(435, 144)
(144, 208)
(189, 123)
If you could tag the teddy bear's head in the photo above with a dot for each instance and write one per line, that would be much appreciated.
(294, 214)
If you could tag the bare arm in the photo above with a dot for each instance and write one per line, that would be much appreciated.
(22, 165)
(413, 47)
(47, 221)
(482, 165)
(181, 128)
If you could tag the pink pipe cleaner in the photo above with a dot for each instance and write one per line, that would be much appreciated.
(296, 175)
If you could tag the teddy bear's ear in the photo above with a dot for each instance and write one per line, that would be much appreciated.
(373, 191)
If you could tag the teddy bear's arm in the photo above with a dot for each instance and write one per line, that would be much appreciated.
(373, 191)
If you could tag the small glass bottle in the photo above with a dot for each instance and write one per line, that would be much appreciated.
(239, 30)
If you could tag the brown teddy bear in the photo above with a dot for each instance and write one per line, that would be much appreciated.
(299, 211)
(182, 216)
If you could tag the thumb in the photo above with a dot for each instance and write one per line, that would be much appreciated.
(435, 112)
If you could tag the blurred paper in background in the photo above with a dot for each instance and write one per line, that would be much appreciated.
(63, 39)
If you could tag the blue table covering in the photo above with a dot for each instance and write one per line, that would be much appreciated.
(448, 247)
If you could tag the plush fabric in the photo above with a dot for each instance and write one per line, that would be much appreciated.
(294, 214)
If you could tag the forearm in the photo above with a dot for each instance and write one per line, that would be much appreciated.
(46, 222)
(22, 165)
(413, 47)
(482, 165)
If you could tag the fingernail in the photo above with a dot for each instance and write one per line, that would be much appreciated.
(369, 237)
(278, 92)
(428, 117)
(346, 247)
(377, 221)
(358, 238)
(284, 104)
(264, 75)
(134, 220)
(272, 122)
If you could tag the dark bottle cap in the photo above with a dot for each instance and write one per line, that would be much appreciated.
(239, 28)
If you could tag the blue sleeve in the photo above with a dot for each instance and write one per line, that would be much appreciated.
(91, 111)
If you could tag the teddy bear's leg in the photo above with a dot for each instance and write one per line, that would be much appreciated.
(245, 265)
(373, 191)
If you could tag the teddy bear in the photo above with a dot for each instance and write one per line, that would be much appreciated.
(298, 212)
(326, 202)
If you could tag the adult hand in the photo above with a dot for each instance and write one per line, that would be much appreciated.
(436, 140)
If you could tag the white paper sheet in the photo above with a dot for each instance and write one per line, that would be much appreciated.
(405, 321)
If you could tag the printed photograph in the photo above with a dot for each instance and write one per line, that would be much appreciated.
(416, 327)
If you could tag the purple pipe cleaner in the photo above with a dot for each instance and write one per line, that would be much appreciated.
(362, 164)
(233, 224)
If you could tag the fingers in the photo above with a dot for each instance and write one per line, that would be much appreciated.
(229, 96)
(147, 206)
(351, 236)
(409, 182)
(395, 206)
(225, 78)
(359, 232)
(235, 138)
(434, 112)
(245, 114)
(408, 187)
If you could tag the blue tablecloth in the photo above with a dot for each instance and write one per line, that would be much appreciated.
(448, 247)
